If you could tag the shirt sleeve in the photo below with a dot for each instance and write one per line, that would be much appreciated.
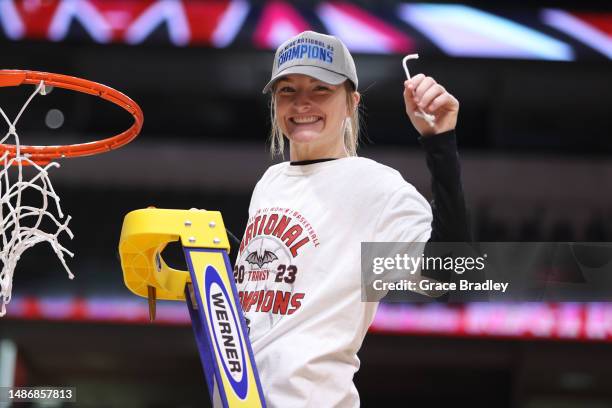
(404, 224)
(405, 217)
(450, 221)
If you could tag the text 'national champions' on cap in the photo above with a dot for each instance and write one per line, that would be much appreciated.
(320, 56)
(306, 48)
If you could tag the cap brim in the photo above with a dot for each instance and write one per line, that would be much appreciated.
(321, 74)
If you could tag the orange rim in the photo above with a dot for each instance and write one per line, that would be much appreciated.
(45, 154)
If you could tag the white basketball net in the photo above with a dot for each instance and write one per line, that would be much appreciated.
(19, 223)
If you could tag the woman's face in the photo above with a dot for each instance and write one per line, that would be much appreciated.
(310, 111)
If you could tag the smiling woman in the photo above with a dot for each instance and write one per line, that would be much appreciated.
(312, 114)
(298, 267)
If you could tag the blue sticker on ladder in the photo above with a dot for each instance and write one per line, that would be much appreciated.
(226, 333)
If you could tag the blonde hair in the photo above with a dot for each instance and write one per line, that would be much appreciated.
(351, 126)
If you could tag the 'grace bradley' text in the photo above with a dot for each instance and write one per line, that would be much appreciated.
(427, 285)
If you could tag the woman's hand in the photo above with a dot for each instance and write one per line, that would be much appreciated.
(424, 93)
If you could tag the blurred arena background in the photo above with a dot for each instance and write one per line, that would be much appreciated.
(534, 80)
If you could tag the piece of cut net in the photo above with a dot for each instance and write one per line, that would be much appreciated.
(430, 119)
(20, 224)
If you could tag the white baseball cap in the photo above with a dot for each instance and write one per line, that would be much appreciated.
(320, 56)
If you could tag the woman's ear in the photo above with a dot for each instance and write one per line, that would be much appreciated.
(355, 98)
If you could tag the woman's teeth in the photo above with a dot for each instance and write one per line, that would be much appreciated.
(307, 119)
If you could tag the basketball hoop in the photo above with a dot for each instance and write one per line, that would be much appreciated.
(20, 224)
(44, 154)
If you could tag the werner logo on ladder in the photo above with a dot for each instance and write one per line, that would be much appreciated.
(208, 288)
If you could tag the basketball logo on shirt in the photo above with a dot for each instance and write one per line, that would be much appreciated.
(266, 270)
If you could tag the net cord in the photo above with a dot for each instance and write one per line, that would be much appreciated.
(430, 119)
(17, 237)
